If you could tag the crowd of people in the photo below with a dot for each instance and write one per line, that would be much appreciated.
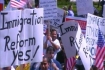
(54, 56)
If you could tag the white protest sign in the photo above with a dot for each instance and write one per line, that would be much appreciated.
(92, 33)
(84, 53)
(50, 8)
(68, 32)
(84, 7)
(104, 11)
(21, 37)
(56, 21)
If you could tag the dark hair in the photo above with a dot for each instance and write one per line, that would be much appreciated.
(50, 48)
(69, 7)
(52, 30)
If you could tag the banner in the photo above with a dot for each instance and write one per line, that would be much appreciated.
(68, 31)
(84, 7)
(82, 22)
(50, 8)
(21, 37)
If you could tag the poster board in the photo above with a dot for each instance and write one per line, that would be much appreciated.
(50, 8)
(68, 32)
(84, 7)
(21, 37)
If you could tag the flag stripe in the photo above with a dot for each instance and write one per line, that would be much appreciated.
(100, 51)
(70, 63)
(18, 4)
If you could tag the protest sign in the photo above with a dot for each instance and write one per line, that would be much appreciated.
(56, 21)
(92, 33)
(68, 31)
(104, 11)
(83, 52)
(21, 37)
(50, 8)
(84, 7)
(82, 22)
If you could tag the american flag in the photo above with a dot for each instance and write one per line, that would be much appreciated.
(18, 3)
(70, 63)
(100, 51)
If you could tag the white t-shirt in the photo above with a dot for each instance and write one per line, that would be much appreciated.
(56, 41)
(70, 13)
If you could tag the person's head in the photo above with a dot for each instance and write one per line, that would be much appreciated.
(44, 64)
(53, 34)
(70, 7)
(50, 52)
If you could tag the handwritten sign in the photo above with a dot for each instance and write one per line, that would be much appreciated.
(92, 33)
(21, 37)
(84, 7)
(82, 22)
(50, 8)
(56, 21)
(81, 47)
(68, 31)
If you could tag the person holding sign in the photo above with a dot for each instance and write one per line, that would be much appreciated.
(51, 40)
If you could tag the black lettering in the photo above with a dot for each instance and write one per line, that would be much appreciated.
(33, 13)
(7, 40)
(62, 33)
(16, 22)
(21, 43)
(3, 15)
(21, 24)
(12, 44)
(71, 40)
(35, 51)
(17, 40)
(71, 28)
(32, 41)
(85, 52)
(29, 21)
(15, 56)
(27, 54)
(39, 20)
(20, 55)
